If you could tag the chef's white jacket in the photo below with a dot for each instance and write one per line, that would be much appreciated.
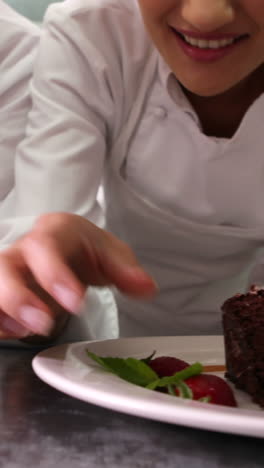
(19, 41)
(94, 65)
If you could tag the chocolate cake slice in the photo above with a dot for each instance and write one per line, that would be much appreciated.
(243, 325)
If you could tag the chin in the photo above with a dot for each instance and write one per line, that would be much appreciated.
(205, 90)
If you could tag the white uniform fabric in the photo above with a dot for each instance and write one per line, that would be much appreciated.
(106, 105)
(19, 40)
(18, 45)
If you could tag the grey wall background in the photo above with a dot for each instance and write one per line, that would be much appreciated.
(33, 9)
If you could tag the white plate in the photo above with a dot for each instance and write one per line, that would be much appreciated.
(69, 369)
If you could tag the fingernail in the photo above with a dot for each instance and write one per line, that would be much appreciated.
(155, 284)
(67, 298)
(36, 320)
(10, 325)
(142, 275)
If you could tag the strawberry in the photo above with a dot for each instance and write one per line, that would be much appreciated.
(206, 385)
(170, 375)
(165, 366)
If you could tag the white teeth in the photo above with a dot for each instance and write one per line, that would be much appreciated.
(201, 43)
(205, 44)
(215, 44)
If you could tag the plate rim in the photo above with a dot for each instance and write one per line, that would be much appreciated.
(191, 414)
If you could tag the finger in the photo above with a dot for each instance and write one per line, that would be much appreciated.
(46, 260)
(19, 302)
(131, 280)
(84, 255)
(10, 329)
(119, 266)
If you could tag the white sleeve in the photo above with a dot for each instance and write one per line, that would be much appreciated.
(59, 165)
(17, 52)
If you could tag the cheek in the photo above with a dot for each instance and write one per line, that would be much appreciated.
(148, 12)
(150, 7)
(155, 10)
(258, 51)
(254, 9)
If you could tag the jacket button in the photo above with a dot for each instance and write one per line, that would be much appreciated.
(160, 112)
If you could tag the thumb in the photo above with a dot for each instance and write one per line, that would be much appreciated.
(120, 267)
(132, 280)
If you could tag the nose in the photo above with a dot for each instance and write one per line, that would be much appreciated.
(208, 15)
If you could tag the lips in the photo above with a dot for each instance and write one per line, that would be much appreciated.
(207, 47)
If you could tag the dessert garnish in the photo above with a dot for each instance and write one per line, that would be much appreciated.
(170, 375)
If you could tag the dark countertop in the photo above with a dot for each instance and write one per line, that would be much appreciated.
(41, 427)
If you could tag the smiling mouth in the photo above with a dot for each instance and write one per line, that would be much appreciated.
(212, 44)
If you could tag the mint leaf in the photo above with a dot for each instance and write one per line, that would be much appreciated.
(171, 390)
(205, 399)
(147, 359)
(184, 374)
(132, 370)
(184, 390)
(138, 372)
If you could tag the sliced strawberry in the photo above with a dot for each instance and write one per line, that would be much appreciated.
(206, 385)
(166, 366)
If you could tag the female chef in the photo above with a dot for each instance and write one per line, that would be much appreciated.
(161, 101)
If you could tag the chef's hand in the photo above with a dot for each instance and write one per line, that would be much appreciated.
(44, 275)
